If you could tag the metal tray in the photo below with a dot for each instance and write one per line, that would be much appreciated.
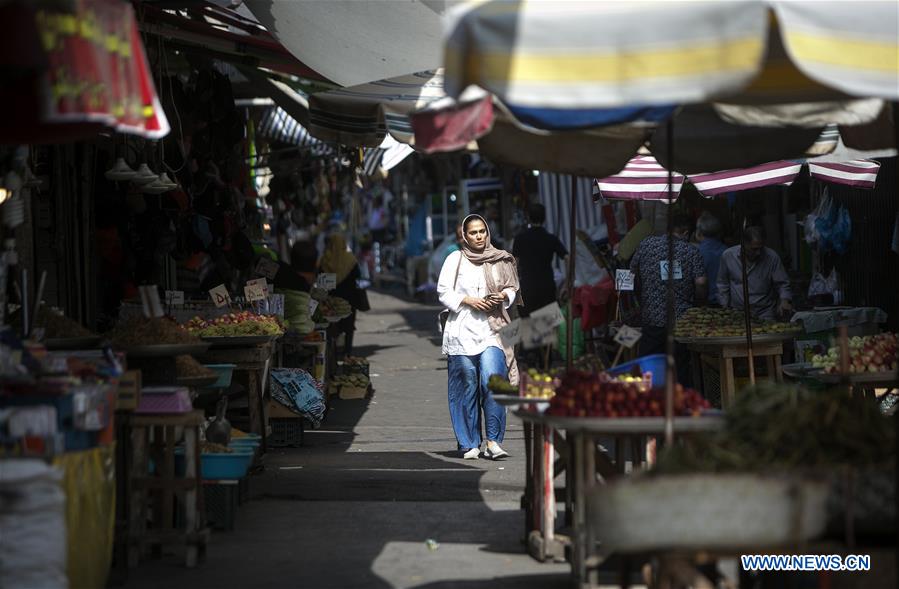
(87, 342)
(161, 350)
(625, 425)
(801, 370)
(197, 382)
(238, 340)
(765, 338)
(515, 400)
(888, 378)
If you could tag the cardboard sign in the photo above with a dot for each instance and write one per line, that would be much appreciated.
(550, 315)
(266, 267)
(511, 333)
(537, 332)
(624, 280)
(174, 297)
(326, 281)
(220, 296)
(663, 270)
(256, 290)
(628, 336)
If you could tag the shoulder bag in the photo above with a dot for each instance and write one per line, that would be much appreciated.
(443, 315)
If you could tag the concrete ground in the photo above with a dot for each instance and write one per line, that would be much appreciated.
(356, 506)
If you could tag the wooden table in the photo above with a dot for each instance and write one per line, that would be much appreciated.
(252, 363)
(719, 354)
(586, 460)
(166, 485)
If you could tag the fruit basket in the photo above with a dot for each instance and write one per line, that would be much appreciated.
(728, 326)
(653, 366)
(745, 511)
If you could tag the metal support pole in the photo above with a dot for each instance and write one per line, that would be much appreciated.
(670, 366)
(749, 355)
(572, 232)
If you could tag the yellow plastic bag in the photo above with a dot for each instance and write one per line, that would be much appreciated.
(89, 484)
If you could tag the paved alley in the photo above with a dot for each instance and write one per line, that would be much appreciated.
(356, 506)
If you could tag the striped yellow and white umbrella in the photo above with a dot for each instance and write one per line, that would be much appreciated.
(554, 61)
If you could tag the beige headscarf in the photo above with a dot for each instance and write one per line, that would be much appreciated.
(337, 258)
(500, 273)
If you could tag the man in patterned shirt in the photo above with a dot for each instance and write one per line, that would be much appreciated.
(650, 267)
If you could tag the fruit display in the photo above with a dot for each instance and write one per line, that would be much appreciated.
(590, 363)
(334, 307)
(774, 426)
(870, 353)
(701, 322)
(187, 367)
(584, 394)
(351, 380)
(501, 386)
(144, 331)
(539, 385)
(235, 325)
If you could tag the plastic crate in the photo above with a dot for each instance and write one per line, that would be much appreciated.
(654, 363)
(221, 505)
(286, 432)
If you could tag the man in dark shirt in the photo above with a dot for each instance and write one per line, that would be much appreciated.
(534, 249)
(650, 267)
(708, 232)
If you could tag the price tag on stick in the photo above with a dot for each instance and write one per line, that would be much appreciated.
(511, 333)
(327, 281)
(628, 336)
(174, 297)
(220, 296)
(266, 267)
(256, 290)
(624, 280)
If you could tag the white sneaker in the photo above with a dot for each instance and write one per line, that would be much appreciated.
(495, 452)
(472, 454)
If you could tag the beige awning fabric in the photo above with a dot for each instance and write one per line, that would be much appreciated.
(352, 42)
(607, 54)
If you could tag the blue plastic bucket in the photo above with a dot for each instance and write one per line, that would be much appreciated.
(654, 363)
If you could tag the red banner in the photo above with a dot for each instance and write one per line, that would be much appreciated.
(97, 69)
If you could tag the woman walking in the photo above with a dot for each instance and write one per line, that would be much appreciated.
(339, 260)
(478, 284)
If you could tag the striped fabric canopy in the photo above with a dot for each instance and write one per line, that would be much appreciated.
(641, 179)
(644, 179)
(858, 173)
(551, 60)
(362, 115)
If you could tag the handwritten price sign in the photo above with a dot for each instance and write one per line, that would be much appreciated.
(624, 280)
(266, 267)
(220, 296)
(628, 336)
(326, 281)
(256, 290)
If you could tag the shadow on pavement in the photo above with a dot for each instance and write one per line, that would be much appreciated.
(552, 581)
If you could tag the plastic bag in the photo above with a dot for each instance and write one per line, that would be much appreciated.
(841, 231)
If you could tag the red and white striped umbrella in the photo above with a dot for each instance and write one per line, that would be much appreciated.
(644, 179)
(641, 179)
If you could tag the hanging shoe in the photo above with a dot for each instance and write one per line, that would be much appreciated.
(495, 452)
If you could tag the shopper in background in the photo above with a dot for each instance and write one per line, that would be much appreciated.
(534, 249)
(650, 267)
(769, 285)
(708, 232)
(478, 284)
(341, 262)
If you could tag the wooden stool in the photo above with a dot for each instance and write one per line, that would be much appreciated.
(166, 486)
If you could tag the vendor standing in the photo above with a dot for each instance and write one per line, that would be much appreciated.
(650, 267)
(769, 284)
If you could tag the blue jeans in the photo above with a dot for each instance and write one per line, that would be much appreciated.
(468, 394)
